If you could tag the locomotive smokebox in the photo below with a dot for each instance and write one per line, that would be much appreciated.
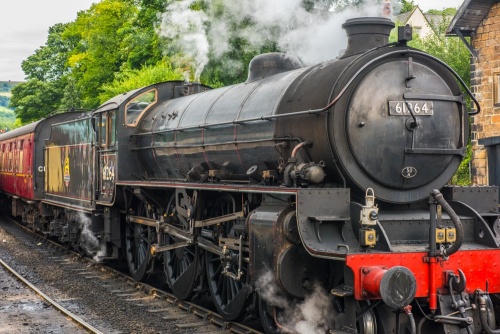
(365, 33)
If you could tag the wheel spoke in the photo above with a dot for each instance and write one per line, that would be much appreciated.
(138, 241)
(228, 294)
(180, 265)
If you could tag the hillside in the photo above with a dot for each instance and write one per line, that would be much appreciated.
(7, 116)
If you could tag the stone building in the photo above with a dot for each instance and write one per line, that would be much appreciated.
(480, 20)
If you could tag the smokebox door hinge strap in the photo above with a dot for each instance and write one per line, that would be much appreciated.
(410, 73)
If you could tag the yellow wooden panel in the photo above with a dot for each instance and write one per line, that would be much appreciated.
(54, 174)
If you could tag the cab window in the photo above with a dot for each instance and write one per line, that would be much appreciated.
(102, 130)
(112, 128)
(106, 128)
(136, 107)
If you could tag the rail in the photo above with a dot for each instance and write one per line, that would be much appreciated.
(52, 302)
(206, 316)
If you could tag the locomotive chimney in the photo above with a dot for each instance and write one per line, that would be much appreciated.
(366, 33)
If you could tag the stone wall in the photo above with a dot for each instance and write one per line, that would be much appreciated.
(487, 123)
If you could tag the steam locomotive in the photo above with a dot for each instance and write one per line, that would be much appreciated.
(327, 180)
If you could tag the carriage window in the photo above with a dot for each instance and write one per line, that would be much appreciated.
(138, 106)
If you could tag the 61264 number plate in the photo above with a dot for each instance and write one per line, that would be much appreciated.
(420, 108)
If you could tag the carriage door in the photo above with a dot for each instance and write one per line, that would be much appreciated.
(106, 155)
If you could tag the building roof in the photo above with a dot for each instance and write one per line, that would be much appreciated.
(433, 20)
(405, 16)
(469, 16)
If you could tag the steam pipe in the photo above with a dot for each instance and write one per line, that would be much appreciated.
(411, 319)
(297, 147)
(456, 222)
(433, 226)
(483, 317)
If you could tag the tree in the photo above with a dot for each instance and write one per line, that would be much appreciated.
(99, 33)
(71, 97)
(49, 62)
(142, 45)
(47, 71)
(35, 99)
(447, 11)
(406, 5)
(128, 80)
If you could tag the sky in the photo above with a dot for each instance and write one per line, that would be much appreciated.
(425, 5)
(24, 26)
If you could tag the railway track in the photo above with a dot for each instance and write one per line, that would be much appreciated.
(106, 299)
(73, 317)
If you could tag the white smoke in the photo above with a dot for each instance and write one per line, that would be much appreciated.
(88, 241)
(314, 315)
(186, 30)
(313, 36)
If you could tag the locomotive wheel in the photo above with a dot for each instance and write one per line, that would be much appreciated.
(229, 295)
(181, 265)
(138, 243)
(366, 321)
(267, 318)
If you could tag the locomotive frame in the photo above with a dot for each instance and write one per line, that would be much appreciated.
(220, 188)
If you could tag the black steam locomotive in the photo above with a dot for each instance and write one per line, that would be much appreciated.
(323, 182)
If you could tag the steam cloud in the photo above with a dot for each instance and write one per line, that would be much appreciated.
(88, 240)
(313, 316)
(313, 36)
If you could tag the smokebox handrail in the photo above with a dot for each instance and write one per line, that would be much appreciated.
(321, 110)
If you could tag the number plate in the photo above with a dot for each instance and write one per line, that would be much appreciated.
(420, 108)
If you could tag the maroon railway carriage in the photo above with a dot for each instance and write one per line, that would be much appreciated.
(22, 169)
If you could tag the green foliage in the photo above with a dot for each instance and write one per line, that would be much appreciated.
(406, 6)
(4, 101)
(71, 97)
(319, 5)
(6, 86)
(447, 11)
(133, 79)
(80, 57)
(141, 46)
(462, 176)
(7, 118)
(48, 63)
(100, 32)
(35, 99)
